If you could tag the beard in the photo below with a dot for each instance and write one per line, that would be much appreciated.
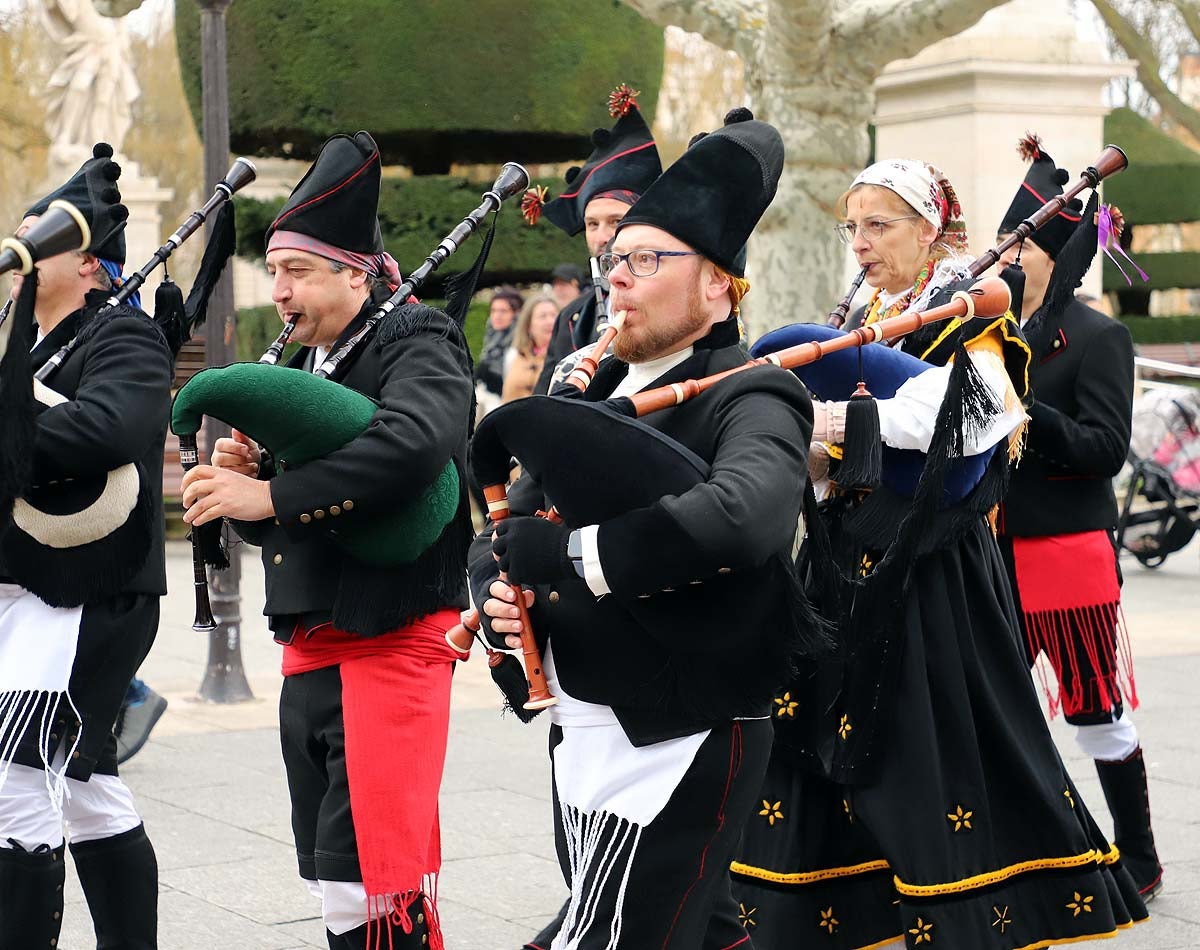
(660, 336)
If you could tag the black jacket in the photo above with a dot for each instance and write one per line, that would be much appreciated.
(422, 380)
(724, 545)
(574, 327)
(118, 385)
(1079, 424)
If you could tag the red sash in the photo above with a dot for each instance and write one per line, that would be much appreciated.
(1071, 606)
(396, 712)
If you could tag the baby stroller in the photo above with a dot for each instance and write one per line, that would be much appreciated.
(1161, 511)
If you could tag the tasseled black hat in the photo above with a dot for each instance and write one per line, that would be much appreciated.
(93, 190)
(337, 201)
(714, 195)
(624, 160)
(1043, 181)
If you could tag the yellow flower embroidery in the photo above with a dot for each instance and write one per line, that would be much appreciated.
(921, 932)
(960, 818)
(1081, 905)
(844, 728)
(771, 812)
(747, 916)
(1001, 920)
(828, 921)
(787, 706)
(846, 809)
(1068, 797)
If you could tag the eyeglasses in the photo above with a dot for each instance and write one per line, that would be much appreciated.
(642, 262)
(872, 229)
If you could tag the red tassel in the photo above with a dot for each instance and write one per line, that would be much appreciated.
(621, 100)
(1061, 634)
(1030, 147)
(532, 203)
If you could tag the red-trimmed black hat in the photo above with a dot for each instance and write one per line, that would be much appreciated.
(623, 164)
(337, 201)
(1043, 181)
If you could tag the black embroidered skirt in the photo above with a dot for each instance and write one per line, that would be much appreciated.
(965, 831)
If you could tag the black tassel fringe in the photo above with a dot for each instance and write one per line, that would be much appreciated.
(862, 451)
(509, 675)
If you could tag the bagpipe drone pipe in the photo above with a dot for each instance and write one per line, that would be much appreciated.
(72, 540)
(298, 416)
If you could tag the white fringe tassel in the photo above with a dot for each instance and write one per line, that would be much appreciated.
(598, 843)
(18, 709)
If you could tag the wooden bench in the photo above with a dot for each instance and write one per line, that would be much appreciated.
(1186, 354)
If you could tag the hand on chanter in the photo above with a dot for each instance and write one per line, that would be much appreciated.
(210, 493)
(501, 612)
(532, 550)
(240, 454)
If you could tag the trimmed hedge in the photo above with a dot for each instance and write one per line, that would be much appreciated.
(1182, 328)
(1160, 185)
(416, 213)
(1168, 271)
(435, 81)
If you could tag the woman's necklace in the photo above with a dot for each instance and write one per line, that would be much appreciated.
(875, 309)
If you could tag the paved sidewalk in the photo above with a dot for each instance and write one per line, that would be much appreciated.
(211, 787)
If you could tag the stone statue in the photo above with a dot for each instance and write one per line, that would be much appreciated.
(92, 90)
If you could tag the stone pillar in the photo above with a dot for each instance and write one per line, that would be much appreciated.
(964, 103)
(144, 198)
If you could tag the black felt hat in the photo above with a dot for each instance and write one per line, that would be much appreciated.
(717, 191)
(1043, 181)
(624, 160)
(337, 201)
(93, 191)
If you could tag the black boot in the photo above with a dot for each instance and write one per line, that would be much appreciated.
(387, 935)
(1124, 785)
(31, 897)
(119, 876)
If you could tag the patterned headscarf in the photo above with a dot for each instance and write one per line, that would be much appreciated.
(927, 190)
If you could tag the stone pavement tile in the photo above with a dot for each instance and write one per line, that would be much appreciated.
(186, 922)
(265, 889)
(515, 885)
(1163, 931)
(466, 928)
(484, 822)
(309, 932)
(187, 840)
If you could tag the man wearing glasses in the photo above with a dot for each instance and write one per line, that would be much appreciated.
(661, 732)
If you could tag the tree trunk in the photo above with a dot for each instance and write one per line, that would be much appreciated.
(796, 262)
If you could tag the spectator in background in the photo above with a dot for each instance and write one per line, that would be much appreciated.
(566, 283)
(489, 368)
(524, 359)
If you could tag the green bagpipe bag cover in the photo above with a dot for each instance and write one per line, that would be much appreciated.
(299, 417)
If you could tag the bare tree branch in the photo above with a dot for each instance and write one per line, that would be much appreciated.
(1148, 66)
(881, 31)
(1189, 10)
(731, 24)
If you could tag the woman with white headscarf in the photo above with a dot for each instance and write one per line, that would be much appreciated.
(914, 796)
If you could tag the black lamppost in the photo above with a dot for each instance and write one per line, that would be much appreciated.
(224, 675)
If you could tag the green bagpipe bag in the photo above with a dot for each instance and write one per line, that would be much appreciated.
(321, 417)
